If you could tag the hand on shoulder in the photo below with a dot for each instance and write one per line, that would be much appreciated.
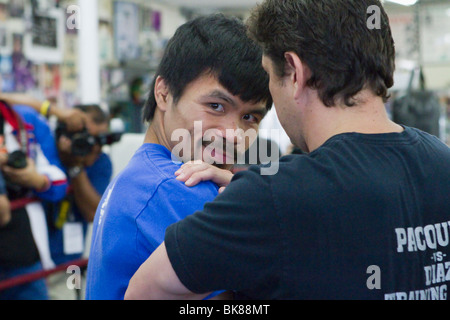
(192, 173)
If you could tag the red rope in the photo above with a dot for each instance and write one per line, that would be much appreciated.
(30, 277)
(20, 203)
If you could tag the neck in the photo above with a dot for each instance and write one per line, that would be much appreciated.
(155, 131)
(151, 135)
(368, 117)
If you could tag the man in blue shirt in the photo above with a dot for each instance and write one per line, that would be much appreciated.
(210, 79)
(89, 173)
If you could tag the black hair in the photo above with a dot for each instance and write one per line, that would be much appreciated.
(212, 44)
(98, 115)
(333, 39)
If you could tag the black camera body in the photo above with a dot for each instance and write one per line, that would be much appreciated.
(83, 142)
(17, 160)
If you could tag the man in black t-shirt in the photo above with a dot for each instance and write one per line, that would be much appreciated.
(363, 214)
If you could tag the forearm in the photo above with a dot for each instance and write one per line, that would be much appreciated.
(36, 104)
(5, 211)
(57, 112)
(156, 280)
(28, 177)
(75, 119)
(40, 183)
(86, 197)
(22, 99)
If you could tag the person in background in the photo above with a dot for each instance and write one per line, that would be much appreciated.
(89, 170)
(210, 77)
(89, 175)
(363, 214)
(31, 176)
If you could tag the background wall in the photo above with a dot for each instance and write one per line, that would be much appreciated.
(132, 35)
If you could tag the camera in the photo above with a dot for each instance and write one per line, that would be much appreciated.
(83, 142)
(17, 160)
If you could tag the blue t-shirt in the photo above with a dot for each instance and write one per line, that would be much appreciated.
(41, 136)
(130, 223)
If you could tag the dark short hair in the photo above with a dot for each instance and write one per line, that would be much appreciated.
(212, 44)
(333, 39)
(98, 115)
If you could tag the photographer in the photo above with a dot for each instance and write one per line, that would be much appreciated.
(81, 153)
(89, 171)
(80, 135)
(31, 175)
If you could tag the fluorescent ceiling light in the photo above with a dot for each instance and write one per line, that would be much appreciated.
(404, 2)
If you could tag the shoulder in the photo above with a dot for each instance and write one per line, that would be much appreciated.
(26, 110)
(288, 168)
(301, 176)
(29, 114)
(431, 140)
(153, 172)
(177, 192)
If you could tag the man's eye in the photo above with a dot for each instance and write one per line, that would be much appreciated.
(217, 107)
(250, 117)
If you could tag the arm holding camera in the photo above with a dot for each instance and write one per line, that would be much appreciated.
(5, 207)
(5, 211)
(28, 177)
(23, 171)
(86, 196)
(74, 118)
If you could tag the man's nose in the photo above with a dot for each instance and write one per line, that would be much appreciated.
(232, 133)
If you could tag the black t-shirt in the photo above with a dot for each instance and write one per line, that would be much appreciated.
(17, 246)
(362, 217)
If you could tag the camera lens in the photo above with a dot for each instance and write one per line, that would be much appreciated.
(82, 144)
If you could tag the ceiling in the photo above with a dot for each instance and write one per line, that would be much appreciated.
(239, 4)
(213, 4)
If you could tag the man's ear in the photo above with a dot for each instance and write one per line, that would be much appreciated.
(297, 72)
(161, 93)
